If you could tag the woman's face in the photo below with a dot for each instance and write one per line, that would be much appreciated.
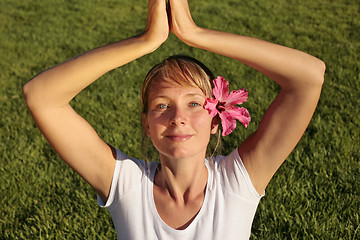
(176, 121)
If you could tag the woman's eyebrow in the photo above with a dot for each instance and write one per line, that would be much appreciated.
(190, 95)
(186, 95)
(160, 96)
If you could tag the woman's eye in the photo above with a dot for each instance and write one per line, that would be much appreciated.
(162, 106)
(194, 104)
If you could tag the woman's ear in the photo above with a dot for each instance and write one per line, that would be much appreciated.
(214, 125)
(145, 124)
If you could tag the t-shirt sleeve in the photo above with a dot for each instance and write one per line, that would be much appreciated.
(235, 177)
(127, 176)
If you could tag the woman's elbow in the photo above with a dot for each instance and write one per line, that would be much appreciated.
(318, 72)
(26, 92)
(322, 69)
(29, 94)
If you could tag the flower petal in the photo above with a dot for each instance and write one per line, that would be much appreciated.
(221, 89)
(236, 97)
(210, 105)
(228, 123)
(224, 105)
(240, 114)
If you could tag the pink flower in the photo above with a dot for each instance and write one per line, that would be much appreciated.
(224, 105)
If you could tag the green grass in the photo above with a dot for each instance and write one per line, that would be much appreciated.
(314, 195)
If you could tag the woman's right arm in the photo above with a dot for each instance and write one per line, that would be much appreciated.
(48, 96)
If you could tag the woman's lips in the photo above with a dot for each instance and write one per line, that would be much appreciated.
(179, 137)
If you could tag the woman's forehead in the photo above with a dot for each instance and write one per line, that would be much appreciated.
(172, 89)
(170, 83)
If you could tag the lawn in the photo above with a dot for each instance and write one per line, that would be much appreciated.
(314, 195)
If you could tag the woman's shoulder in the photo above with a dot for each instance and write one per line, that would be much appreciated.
(127, 162)
(223, 159)
(230, 172)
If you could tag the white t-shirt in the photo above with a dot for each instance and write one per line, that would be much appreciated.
(227, 211)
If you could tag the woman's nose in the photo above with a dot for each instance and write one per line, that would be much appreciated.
(177, 116)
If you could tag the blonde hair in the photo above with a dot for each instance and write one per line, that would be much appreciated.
(180, 69)
(183, 70)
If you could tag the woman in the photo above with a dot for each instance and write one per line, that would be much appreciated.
(184, 197)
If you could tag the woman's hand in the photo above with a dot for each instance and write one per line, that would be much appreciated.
(157, 29)
(181, 22)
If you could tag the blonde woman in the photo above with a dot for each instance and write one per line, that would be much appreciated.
(186, 195)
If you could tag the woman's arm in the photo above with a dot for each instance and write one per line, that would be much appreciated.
(300, 76)
(49, 93)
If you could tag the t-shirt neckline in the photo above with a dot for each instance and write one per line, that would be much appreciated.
(155, 212)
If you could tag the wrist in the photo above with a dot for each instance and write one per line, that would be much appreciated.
(192, 37)
(152, 41)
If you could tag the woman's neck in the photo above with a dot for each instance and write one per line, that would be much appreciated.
(184, 180)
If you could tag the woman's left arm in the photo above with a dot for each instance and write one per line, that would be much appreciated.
(300, 76)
